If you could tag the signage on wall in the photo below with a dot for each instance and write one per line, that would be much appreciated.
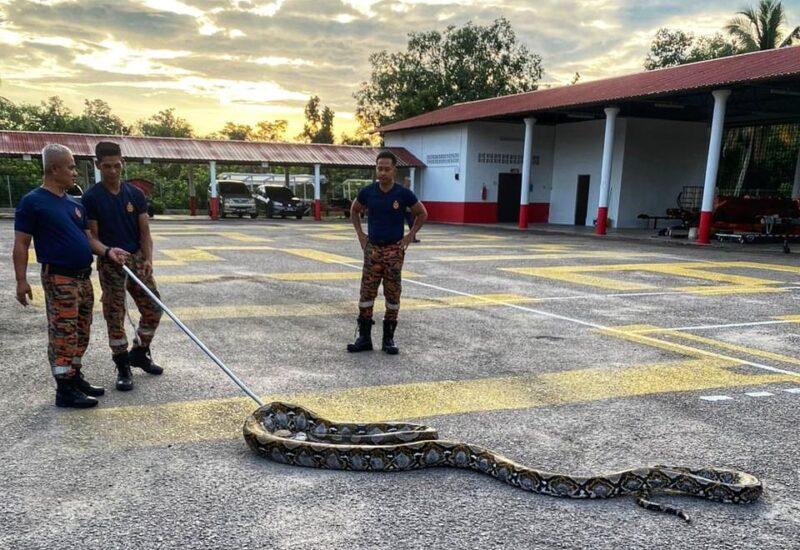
(504, 158)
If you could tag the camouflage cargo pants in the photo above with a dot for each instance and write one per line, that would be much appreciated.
(381, 263)
(113, 283)
(69, 304)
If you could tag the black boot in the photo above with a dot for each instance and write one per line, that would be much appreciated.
(388, 337)
(364, 340)
(68, 395)
(140, 357)
(86, 387)
(124, 376)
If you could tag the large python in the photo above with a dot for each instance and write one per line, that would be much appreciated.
(294, 435)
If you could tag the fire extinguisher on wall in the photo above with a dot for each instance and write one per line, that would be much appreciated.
(484, 193)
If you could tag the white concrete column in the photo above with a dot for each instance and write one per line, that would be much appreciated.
(527, 161)
(796, 187)
(212, 169)
(413, 176)
(605, 170)
(317, 193)
(712, 164)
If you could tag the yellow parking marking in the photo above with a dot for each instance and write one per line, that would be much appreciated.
(789, 318)
(237, 248)
(190, 255)
(222, 418)
(334, 237)
(702, 271)
(167, 263)
(320, 256)
(242, 237)
(735, 347)
(544, 256)
(340, 308)
(327, 276)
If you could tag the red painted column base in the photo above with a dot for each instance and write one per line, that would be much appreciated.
(215, 208)
(523, 216)
(704, 233)
(192, 206)
(602, 220)
(317, 209)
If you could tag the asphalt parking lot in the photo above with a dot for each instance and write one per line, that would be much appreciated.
(575, 355)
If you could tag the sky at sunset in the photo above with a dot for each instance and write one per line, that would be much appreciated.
(244, 61)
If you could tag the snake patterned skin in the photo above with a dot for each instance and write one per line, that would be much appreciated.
(291, 434)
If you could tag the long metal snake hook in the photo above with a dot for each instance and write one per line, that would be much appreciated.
(194, 338)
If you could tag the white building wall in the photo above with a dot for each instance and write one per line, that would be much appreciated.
(444, 152)
(578, 150)
(661, 157)
(507, 140)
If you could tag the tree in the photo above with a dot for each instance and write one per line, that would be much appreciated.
(271, 130)
(12, 117)
(676, 47)
(97, 118)
(762, 28)
(439, 69)
(360, 137)
(325, 132)
(166, 124)
(240, 132)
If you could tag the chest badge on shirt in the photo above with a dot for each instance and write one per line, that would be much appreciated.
(78, 213)
(129, 208)
(395, 205)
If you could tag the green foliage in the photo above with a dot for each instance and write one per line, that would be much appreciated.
(318, 127)
(439, 69)
(676, 47)
(762, 28)
(166, 124)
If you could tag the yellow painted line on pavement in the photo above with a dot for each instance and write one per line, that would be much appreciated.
(167, 263)
(328, 276)
(574, 275)
(190, 255)
(222, 418)
(735, 347)
(320, 256)
(339, 308)
(545, 256)
(236, 248)
(242, 237)
(711, 290)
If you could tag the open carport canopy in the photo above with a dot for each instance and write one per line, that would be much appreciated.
(765, 86)
(158, 149)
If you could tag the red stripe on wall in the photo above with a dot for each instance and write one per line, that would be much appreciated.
(479, 212)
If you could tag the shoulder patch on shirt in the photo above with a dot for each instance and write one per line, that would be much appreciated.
(395, 205)
(78, 213)
(129, 208)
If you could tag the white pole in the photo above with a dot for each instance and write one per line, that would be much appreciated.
(796, 187)
(605, 170)
(712, 164)
(413, 176)
(97, 176)
(317, 194)
(194, 338)
(212, 168)
(8, 186)
(527, 158)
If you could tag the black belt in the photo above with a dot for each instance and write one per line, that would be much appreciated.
(52, 269)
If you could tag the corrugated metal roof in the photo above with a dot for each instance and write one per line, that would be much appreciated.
(725, 71)
(187, 150)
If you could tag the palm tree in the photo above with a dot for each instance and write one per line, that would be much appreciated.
(762, 28)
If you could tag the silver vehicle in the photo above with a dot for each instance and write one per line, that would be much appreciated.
(235, 200)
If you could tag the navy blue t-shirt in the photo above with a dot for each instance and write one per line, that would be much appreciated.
(386, 218)
(58, 227)
(117, 216)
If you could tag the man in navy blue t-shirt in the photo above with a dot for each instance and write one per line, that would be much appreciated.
(117, 217)
(384, 248)
(57, 225)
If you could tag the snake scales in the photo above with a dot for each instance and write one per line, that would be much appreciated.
(294, 435)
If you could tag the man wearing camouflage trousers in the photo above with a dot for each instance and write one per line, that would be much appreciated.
(57, 225)
(384, 248)
(117, 214)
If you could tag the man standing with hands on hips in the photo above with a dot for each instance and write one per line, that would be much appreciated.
(117, 216)
(57, 225)
(384, 248)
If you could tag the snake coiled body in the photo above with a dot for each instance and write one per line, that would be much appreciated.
(291, 434)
